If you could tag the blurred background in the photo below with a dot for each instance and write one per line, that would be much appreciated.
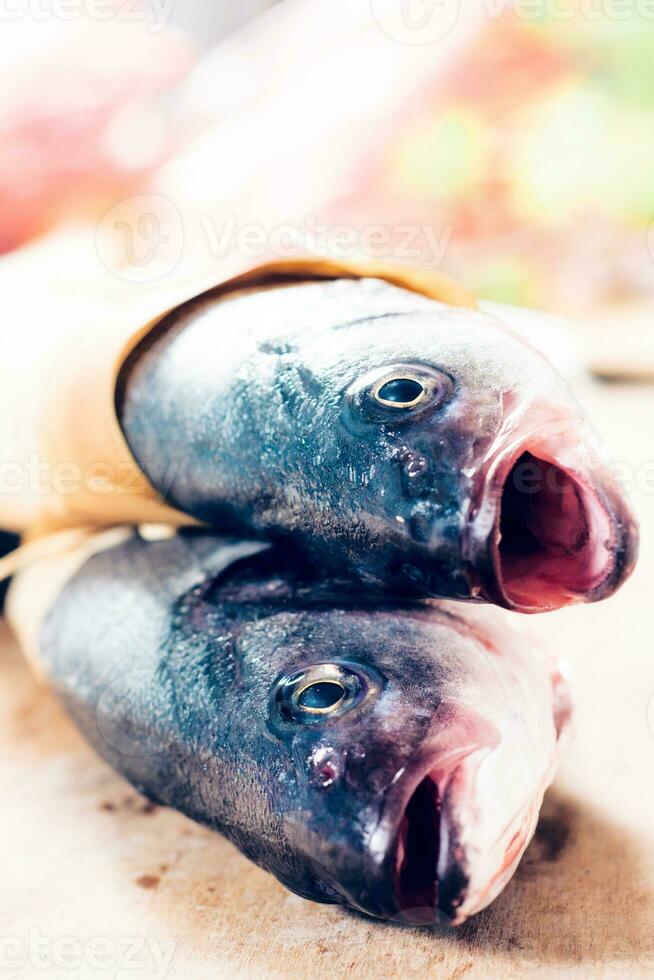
(508, 142)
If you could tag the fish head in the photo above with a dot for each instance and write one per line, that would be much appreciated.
(391, 757)
(427, 448)
(405, 763)
(474, 470)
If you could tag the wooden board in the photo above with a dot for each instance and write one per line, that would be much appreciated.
(94, 881)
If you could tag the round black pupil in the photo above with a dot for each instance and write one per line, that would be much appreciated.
(323, 694)
(401, 390)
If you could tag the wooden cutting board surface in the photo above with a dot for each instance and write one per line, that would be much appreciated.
(96, 882)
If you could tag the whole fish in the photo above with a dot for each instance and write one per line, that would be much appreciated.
(388, 757)
(424, 447)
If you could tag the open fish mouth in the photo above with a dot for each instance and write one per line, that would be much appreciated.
(424, 874)
(415, 854)
(545, 535)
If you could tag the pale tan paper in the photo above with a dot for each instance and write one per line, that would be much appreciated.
(37, 586)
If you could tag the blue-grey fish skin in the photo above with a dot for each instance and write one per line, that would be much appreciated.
(261, 412)
(181, 661)
(8, 542)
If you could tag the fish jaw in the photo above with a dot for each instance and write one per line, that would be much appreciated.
(422, 868)
(428, 873)
(412, 863)
(492, 801)
(548, 525)
(438, 837)
(459, 817)
(481, 847)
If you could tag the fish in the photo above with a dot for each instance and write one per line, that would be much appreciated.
(8, 543)
(389, 757)
(425, 448)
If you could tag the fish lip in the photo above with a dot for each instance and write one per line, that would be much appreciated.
(599, 495)
(388, 837)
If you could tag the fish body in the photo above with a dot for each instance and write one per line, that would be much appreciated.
(388, 757)
(425, 448)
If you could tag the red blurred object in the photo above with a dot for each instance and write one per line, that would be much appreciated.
(80, 119)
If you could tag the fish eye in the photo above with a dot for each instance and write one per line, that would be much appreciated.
(394, 393)
(321, 692)
(403, 392)
(321, 695)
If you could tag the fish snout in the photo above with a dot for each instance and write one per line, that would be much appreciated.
(416, 847)
(392, 851)
(424, 868)
(548, 524)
